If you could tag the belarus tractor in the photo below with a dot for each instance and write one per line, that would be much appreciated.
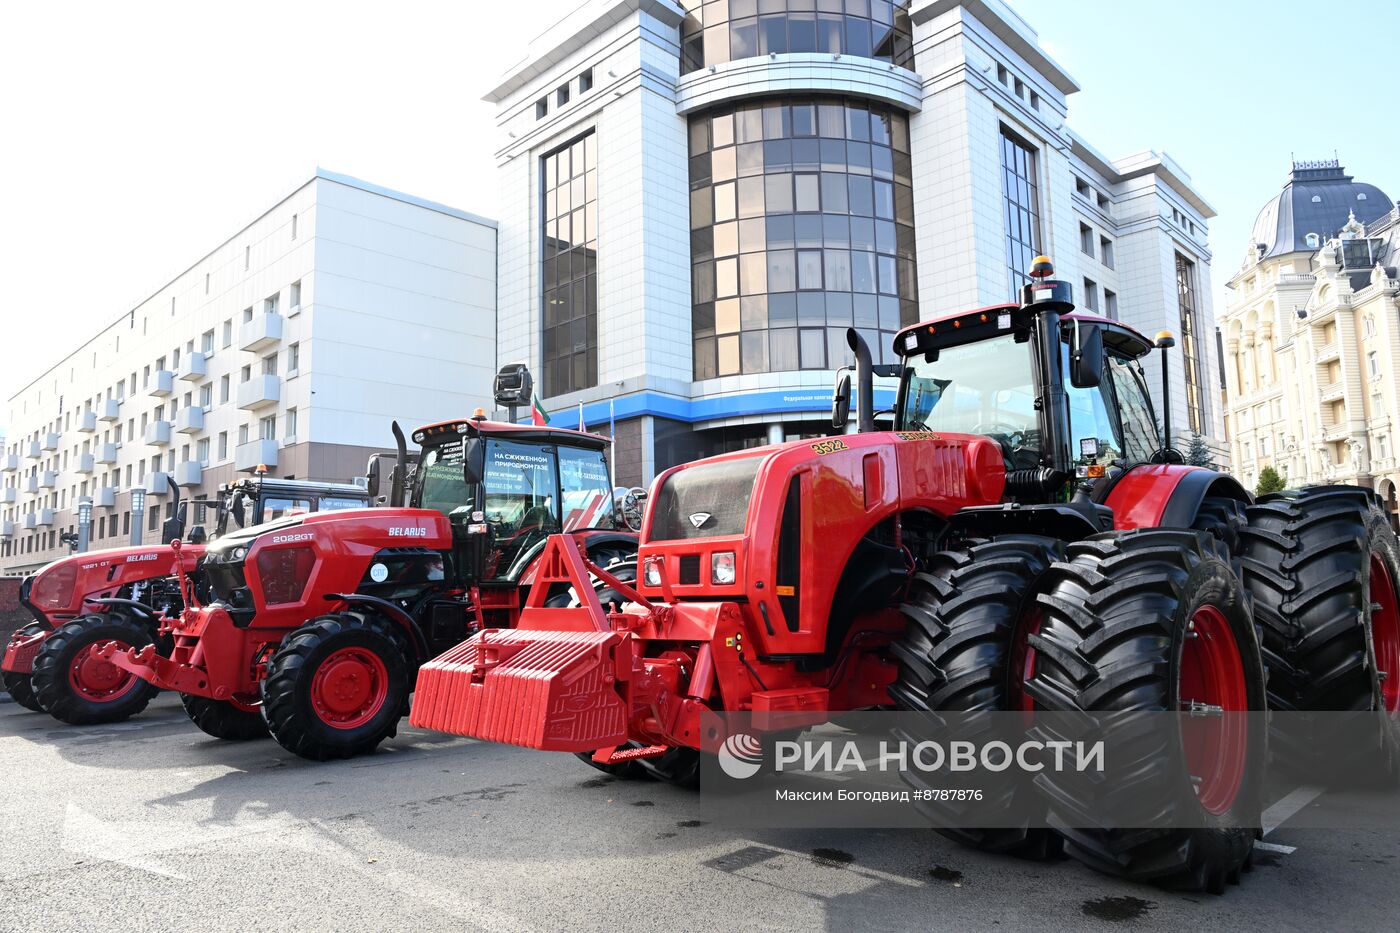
(122, 595)
(313, 626)
(1024, 539)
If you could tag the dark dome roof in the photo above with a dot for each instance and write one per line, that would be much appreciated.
(1318, 198)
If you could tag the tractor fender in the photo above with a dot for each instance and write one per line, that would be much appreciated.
(1167, 495)
(389, 610)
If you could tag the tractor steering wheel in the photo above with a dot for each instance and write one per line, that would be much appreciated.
(630, 505)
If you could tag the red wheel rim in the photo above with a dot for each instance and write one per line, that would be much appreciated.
(1385, 632)
(1211, 687)
(350, 687)
(97, 680)
(1023, 658)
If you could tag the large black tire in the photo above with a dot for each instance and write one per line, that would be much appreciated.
(1309, 559)
(19, 685)
(80, 690)
(1223, 519)
(223, 720)
(964, 614)
(1116, 620)
(336, 687)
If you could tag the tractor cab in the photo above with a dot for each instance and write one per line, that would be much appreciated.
(1061, 392)
(505, 488)
(251, 502)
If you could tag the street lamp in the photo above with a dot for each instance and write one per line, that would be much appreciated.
(84, 524)
(138, 512)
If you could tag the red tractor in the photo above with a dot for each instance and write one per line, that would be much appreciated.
(1024, 539)
(314, 625)
(122, 595)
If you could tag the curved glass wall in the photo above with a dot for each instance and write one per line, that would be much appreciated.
(802, 224)
(717, 31)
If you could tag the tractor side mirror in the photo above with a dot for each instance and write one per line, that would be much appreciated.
(198, 535)
(1086, 359)
(373, 477)
(841, 400)
(235, 508)
(173, 528)
(474, 460)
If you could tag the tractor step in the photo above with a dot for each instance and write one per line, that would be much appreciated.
(556, 691)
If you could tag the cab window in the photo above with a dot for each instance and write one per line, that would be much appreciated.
(279, 507)
(583, 478)
(1140, 437)
(520, 503)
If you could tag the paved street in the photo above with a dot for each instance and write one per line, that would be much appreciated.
(151, 824)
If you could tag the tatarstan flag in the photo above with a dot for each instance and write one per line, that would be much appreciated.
(538, 415)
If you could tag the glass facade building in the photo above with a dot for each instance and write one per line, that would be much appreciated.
(1020, 209)
(718, 31)
(802, 224)
(569, 266)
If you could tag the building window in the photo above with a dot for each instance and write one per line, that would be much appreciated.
(1190, 348)
(267, 428)
(542, 108)
(206, 342)
(293, 358)
(1106, 251)
(202, 450)
(294, 295)
(1001, 73)
(269, 365)
(569, 266)
(247, 315)
(1091, 295)
(294, 226)
(1081, 187)
(1373, 365)
(270, 303)
(1021, 209)
(290, 423)
(1110, 304)
(1086, 239)
(206, 283)
(206, 395)
(247, 257)
(745, 29)
(223, 445)
(561, 95)
(228, 334)
(242, 434)
(585, 81)
(223, 389)
(801, 220)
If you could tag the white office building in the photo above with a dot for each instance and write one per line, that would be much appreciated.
(700, 197)
(290, 346)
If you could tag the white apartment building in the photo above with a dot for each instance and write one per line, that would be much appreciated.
(292, 345)
(700, 197)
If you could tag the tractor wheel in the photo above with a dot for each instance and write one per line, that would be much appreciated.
(1322, 565)
(1223, 518)
(967, 615)
(1154, 621)
(80, 689)
(19, 685)
(224, 720)
(336, 687)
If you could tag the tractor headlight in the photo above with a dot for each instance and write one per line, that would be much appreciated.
(238, 553)
(722, 568)
(651, 572)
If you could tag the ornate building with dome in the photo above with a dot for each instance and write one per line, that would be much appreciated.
(1311, 334)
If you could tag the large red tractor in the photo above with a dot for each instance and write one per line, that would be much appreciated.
(1024, 539)
(122, 594)
(314, 625)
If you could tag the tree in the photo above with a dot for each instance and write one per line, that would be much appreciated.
(1197, 453)
(1269, 481)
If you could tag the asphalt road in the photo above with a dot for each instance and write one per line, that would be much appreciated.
(150, 824)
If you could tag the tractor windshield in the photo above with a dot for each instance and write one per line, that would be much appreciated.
(442, 485)
(583, 480)
(986, 387)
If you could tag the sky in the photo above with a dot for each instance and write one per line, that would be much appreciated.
(137, 136)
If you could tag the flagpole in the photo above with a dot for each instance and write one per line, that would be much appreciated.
(612, 433)
(581, 425)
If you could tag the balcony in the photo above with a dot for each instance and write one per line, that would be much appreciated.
(48, 479)
(162, 383)
(158, 434)
(1333, 391)
(87, 422)
(193, 368)
(33, 451)
(189, 420)
(48, 441)
(263, 331)
(262, 452)
(110, 410)
(43, 517)
(104, 497)
(259, 392)
(9, 463)
(157, 483)
(106, 454)
(9, 495)
(7, 529)
(83, 463)
(189, 473)
(31, 484)
(1327, 351)
(29, 522)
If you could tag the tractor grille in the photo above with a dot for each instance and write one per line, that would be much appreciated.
(690, 569)
(704, 501)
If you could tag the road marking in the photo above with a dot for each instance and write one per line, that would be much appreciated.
(1285, 809)
(1275, 847)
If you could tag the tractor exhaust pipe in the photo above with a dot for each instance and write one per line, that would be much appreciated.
(865, 382)
(396, 488)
